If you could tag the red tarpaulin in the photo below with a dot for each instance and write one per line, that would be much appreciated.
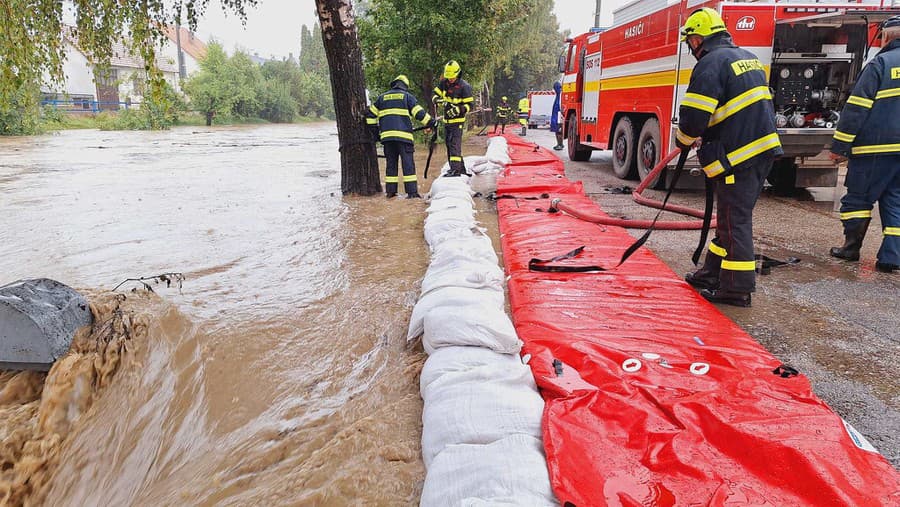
(656, 397)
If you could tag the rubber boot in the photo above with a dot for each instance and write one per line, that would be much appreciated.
(707, 277)
(724, 297)
(884, 267)
(854, 233)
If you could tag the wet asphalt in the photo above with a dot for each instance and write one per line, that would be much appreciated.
(836, 322)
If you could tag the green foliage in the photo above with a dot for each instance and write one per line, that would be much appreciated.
(20, 113)
(211, 90)
(277, 104)
(489, 38)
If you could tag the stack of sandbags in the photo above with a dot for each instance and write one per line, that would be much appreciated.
(481, 436)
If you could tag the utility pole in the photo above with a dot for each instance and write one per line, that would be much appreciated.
(182, 70)
(597, 15)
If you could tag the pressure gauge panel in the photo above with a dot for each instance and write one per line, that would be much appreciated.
(808, 73)
(785, 73)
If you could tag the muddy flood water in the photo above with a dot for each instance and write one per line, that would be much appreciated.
(278, 374)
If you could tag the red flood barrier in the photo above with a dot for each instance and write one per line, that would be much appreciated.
(653, 397)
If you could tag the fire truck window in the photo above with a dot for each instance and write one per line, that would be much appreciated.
(572, 58)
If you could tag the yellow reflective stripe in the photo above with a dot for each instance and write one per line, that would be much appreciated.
(407, 179)
(850, 215)
(455, 120)
(393, 112)
(729, 180)
(875, 148)
(892, 231)
(716, 249)
(750, 150)
(701, 102)
(684, 138)
(463, 100)
(739, 265)
(843, 136)
(397, 133)
(890, 92)
(714, 169)
(426, 119)
(416, 108)
(860, 101)
(440, 93)
(454, 158)
(742, 101)
(371, 121)
(391, 179)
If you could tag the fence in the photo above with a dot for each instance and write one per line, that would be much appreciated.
(86, 105)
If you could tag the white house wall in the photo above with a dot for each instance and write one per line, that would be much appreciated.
(79, 75)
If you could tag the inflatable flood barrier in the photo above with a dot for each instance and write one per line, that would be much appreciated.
(652, 396)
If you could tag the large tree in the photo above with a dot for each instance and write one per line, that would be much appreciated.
(359, 162)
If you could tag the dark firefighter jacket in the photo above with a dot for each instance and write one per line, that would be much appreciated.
(728, 103)
(503, 110)
(457, 99)
(393, 111)
(870, 120)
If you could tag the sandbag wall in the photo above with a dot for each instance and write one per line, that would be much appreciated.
(481, 436)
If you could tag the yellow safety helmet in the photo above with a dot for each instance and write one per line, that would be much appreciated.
(402, 78)
(452, 69)
(703, 22)
(503, 98)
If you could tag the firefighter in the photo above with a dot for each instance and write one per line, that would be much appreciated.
(729, 105)
(555, 126)
(502, 118)
(390, 116)
(524, 111)
(869, 134)
(456, 96)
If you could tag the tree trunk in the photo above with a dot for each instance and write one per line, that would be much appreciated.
(359, 162)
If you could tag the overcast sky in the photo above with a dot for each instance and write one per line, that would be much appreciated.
(273, 27)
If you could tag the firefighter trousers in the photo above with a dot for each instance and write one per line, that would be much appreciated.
(730, 255)
(869, 180)
(502, 122)
(453, 133)
(394, 150)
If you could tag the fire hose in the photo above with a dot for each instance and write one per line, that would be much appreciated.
(600, 218)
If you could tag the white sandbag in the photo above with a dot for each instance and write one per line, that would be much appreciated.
(476, 248)
(436, 238)
(454, 202)
(457, 359)
(498, 151)
(488, 166)
(478, 326)
(453, 214)
(484, 183)
(473, 160)
(454, 193)
(463, 273)
(444, 184)
(438, 232)
(479, 406)
(512, 471)
(450, 297)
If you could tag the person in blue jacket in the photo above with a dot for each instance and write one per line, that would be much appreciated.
(390, 117)
(868, 134)
(555, 127)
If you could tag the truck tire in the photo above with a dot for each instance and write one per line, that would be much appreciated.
(623, 149)
(577, 151)
(783, 177)
(648, 153)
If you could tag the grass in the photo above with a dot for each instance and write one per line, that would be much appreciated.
(69, 121)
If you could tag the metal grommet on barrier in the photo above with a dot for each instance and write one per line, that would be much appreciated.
(699, 368)
(631, 365)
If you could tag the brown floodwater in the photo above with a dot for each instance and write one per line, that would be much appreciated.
(278, 374)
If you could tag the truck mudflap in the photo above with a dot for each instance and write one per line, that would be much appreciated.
(653, 397)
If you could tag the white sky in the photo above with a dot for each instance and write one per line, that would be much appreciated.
(273, 27)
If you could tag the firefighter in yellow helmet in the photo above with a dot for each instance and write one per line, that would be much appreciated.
(503, 112)
(390, 117)
(456, 97)
(524, 113)
(729, 106)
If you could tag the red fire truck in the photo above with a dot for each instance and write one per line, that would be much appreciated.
(622, 86)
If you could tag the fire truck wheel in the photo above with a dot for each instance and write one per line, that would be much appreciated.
(648, 153)
(623, 149)
(577, 151)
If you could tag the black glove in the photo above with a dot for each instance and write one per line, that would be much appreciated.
(375, 132)
(452, 111)
(431, 124)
